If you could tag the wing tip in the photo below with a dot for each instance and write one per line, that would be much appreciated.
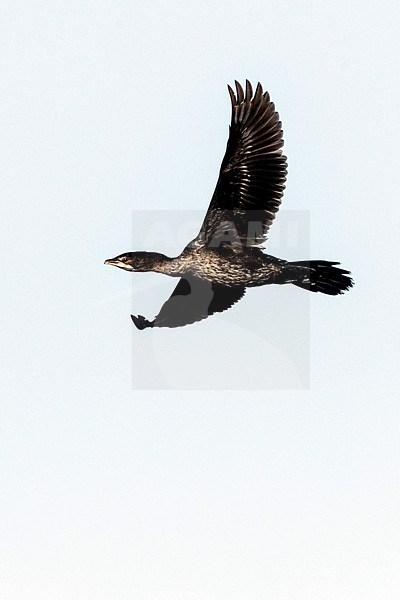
(239, 92)
(232, 96)
(249, 91)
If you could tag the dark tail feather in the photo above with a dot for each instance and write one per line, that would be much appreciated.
(320, 276)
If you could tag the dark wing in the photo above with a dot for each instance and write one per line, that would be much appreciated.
(192, 300)
(253, 172)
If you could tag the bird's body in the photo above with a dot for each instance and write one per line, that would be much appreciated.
(223, 266)
(225, 258)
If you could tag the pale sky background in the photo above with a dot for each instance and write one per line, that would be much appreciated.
(114, 493)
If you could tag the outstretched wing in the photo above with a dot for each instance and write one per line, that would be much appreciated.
(253, 172)
(192, 300)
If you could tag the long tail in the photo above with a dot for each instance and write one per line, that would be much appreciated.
(318, 276)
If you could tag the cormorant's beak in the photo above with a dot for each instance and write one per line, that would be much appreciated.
(117, 262)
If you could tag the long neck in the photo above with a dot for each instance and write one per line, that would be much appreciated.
(158, 262)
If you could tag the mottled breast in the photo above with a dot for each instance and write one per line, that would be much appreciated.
(226, 266)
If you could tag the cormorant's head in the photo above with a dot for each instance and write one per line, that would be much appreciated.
(137, 261)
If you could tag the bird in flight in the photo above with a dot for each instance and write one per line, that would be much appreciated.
(226, 257)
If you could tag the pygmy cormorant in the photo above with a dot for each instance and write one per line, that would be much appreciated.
(225, 258)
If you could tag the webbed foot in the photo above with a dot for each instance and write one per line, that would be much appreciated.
(141, 322)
